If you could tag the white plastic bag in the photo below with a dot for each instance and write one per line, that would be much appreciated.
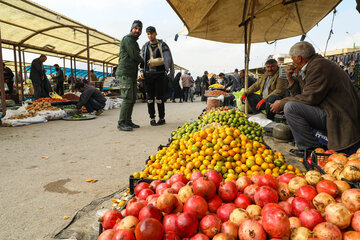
(52, 115)
(108, 104)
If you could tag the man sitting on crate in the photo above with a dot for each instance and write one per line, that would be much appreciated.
(272, 88)
(323, 98)
(91, 98)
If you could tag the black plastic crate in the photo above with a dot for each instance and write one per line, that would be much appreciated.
(135, 181)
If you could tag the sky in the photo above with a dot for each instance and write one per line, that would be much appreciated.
(114, 17)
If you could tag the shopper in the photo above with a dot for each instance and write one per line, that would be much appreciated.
(186, 82)
(59, 80)
(93, 78)
(157, 63)
(198, 86)
(38, 77)
(126, 73)
(177, 91)
(9, 79)
(91, 98)
(204, 85)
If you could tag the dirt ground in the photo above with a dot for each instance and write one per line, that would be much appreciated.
(44, 166)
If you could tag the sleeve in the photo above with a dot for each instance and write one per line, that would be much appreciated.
(280, 88)
(295, 88)
(142, 64)
(253, 88)
(130, 47)
(84, 98)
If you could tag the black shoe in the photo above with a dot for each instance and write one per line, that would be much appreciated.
(153, 123)
(161, 122)
(133, 125)
(297, 152)
(125, 127)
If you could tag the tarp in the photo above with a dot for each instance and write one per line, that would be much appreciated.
(219, 20)
(79, 72)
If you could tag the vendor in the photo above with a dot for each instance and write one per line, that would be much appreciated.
(323, 98)
(251, 80)
(91, 98)
(272, 88)
(228, 80)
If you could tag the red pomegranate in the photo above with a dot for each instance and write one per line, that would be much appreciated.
(154, 184)
(177, 185)
(167, 190)
(222, 236)
(107, 235)
(196, 205)
(215, 177)
(149, 229)
(230, 228)
(204, 188)
(150, 212)
(270, 205)
(169, 222)
(225, 210)
(286, 177)
(199, 236)
(195, 175)
(143, 194)
(178, 178)
(168, 182)
(327, 230)
(123, 234)
(152, 199)
(328, 187)
(227, 191)
(286, 207)
(171, 236)
(161, 186)
(134, 206)
(110, 218)
(355, 222)
(290, 200)
(300, 204)
(167, 203)
(242, 201)
(309, 218)
(264, 195)
(255, 179)
(210, 225)
(268, 180)
(251, 230)
(276, 223)
(250, 191)
(214, 203)
(141, 186)
(242, 183)
(307, 192)
(351, 199)
(187, 224)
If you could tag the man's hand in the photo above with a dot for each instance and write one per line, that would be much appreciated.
(275, 107)
(289, 72)
(261, 102)
(242, 99)
(142, 75)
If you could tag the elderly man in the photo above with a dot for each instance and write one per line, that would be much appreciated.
(186, 82)
(38, 77)
(272, 88)
(323, 98)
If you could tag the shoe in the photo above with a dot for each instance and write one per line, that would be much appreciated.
(173, 101)
(99, 112)
(92, 113)
(153, 123)
(297, 152)
(161, 122)
(125, 127)
(133, 125)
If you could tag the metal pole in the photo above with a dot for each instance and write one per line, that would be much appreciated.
(75, 68)
(21, 76)
(25, 72)
(72, 74)
(103, 70)
(16, 74)
(107, 69)
(2, 81)
(88, 54)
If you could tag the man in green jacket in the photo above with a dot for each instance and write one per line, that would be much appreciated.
(126, 73)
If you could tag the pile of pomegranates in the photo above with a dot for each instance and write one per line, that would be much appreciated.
(260, 208)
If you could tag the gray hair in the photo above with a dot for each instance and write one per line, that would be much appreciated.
(304, 49)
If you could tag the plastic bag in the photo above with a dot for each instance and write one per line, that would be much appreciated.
(52, 115)
(212, 102)
(108, 104)
(117, 102)
(21, 122)
(237, 96)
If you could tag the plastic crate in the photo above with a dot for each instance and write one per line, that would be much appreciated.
(135, 181)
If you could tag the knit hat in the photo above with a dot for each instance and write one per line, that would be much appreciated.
(136, 23)
(150, 29)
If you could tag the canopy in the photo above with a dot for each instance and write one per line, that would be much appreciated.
(219, 20)
(37, 29)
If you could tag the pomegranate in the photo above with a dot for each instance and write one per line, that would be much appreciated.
(255, 179)
(186, 192)
(177, 185)
(214, 203)
(242, 201)
(264, 195)
(283, 191)
(107, 235)
(242, 183)
(225, 210)
(150, 212)
(141, 186)
(143, 194)
(128, 223)
(355, 222)
(178, 178)
(227, 191)
(268, 180)
(196, 205)
(251, 230)
(110, 218)
(223, 236)
(195, 175)
(149, 229)
(351, 199)
(326, 230)
(300, 204)
(250, 191)
(168, 182)
(270, 205)
(187, 224)
(171, 236)
(180, 207)
(215, 177)
(321, 201)
(123, 234)
(123, 212)
(286, 207)
(342, 186)
(230, 228)
(338, 158)
(300, 233)
(167, 203)
(290, 200)
(294, 222)
(169, 222)
(309, 218)
(204, 187)
(199, 236)
(161, 186)
(351, 235)
(328, 187)
(338, 214)
(313, 177)
(154, 184)
(210, 225)
(253, 210)
(238, 216)
(286, 177)
(276, 223)
(307, 192)
(166, 190)
(295, 183)
(152, 199)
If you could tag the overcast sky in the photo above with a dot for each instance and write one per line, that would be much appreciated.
(114, 17)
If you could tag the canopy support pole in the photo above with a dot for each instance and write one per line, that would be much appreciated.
(21, 75)
(103, 70)
(16, 75)
(75, 68)
(25, 72)
(72, 73)
(64, 66)
(88, 55)
(2, 81)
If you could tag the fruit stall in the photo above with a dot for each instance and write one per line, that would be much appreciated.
(217, 179)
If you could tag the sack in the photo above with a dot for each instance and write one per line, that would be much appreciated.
(154, 62)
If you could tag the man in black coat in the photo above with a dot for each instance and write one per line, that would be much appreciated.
(38, 77)
(205, 84)
(59, 80)
(91, 98)
(9, 79)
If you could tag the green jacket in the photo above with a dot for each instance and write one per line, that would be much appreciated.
(129, 57)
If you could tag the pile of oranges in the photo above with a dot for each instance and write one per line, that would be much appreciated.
(224, 149)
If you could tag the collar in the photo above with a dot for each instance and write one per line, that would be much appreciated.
(304, 67)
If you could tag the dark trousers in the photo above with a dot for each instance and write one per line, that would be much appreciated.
(254, 99)
(155, 93)
(60, 88)
(93, 105)
(10, 84)
(186, 93)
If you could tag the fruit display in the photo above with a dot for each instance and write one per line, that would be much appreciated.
(217, 93)
(78, 116)
(21, 116)
(36, 107)
(71, 96)
(262, 207)
(50, 100)
(217, 85)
